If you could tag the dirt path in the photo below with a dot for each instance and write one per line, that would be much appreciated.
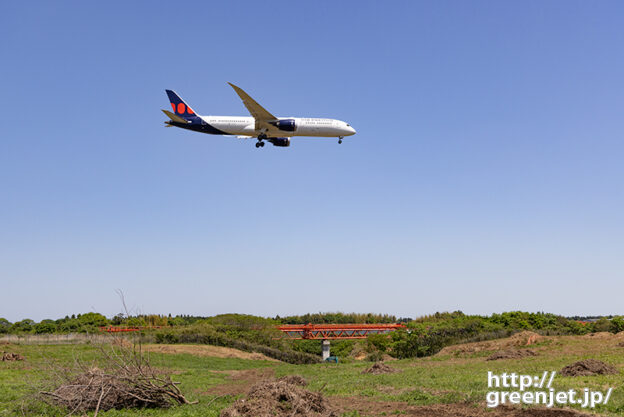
(207, 350)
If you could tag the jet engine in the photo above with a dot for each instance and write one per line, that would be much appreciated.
(283, 142)
(287, 125)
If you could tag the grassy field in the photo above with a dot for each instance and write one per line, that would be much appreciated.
(453, 376)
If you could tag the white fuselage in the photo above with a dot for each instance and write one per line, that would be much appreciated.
(246, 126)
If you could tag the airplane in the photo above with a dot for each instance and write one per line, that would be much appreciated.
(262, 125)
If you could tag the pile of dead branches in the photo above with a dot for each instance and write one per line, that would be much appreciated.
(284, 397)
(122, 378)
(9, 357)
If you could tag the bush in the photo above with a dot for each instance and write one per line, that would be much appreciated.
(167, 337)
(375, 356)
(379, 342)
(602, 325)
(313, 347)
(617, 324)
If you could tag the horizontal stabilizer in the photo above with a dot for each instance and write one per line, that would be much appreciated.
(175, 117)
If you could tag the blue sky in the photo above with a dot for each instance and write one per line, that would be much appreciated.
(486, 174)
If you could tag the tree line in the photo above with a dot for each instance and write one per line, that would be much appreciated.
(455, 325)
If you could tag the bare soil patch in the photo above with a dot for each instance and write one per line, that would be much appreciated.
(599, 335)
(511, 354)
(208, 351)
(370, 408)
(521, 339)
(282, 397)
(10, 357)
(379, 368)
(588, 367)
(241, 381)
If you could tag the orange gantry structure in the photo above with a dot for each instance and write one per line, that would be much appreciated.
(301, 331)
(336, 331)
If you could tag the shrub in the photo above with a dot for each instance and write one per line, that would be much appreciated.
(167, 337)
(617, 324)
(378, 342)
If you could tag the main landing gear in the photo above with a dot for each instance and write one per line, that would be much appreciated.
(340, 139)
(261, 137)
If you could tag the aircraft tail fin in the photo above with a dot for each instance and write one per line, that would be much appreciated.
(179, 106)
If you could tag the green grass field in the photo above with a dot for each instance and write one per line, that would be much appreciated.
(446, 378)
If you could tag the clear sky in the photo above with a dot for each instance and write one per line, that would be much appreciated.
(486, 174)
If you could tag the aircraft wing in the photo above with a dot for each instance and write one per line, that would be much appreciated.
(257, 111)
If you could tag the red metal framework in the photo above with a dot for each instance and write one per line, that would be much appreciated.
(336, 331)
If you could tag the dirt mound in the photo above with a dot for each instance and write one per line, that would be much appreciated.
(9, 357)
(358, 352)
(379, 368)
(511, 354)
(588, 367)
(525, 338)
(283, 397)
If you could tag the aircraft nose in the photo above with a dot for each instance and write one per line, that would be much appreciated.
(349, 130)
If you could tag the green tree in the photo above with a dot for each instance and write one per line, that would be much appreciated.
(23, 326)
(118, 319)
(92, 320)
(69, 326)
(5, 325)
(45, 326)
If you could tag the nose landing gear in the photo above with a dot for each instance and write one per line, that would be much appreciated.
(340, 139)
